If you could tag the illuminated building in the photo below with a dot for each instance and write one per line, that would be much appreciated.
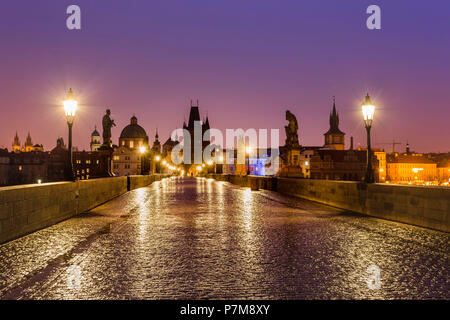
(127, 156)
(411, 168)
(381, 171)
(202, 140)
(156, 148)
(444, 172)
(95, 140)
(27, 147)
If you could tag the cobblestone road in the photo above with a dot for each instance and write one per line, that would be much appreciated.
(203, 239)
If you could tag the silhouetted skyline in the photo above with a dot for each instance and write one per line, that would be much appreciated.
(246, 61)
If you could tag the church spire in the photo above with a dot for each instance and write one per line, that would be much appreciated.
(28, 141)
(334, 118)
(16, 143)
(334, 137)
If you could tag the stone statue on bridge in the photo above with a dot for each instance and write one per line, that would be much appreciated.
(108, 123)
(106, 149)
(291, 132)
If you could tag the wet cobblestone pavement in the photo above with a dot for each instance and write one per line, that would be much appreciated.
(202, 239)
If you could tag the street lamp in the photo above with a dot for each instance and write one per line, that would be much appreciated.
(368, 109)
(70, 107)
(142, 150)
(248, 150)
(157, 159)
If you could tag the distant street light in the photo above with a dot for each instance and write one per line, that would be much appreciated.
(156, 163)
(142, 150)
(368, 109)
(70, 107)
(248, 150)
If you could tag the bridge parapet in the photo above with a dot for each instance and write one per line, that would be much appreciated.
(427, 207)
(27, 208)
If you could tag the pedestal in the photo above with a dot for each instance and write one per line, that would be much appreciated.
(292, 167)
(106, 154)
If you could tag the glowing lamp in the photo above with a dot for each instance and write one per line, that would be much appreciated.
(70, 107)
(368, 109)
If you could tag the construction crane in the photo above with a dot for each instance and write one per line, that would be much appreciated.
(393, 144)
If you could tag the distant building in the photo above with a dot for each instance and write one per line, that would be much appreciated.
(339, 165)
(444, 172)
(381, 171)
(333, 162)
(127, 157)
(334, 137)
(95, 140)
(306, 154)
(58, 158)
(37, 166)
(156, 148)
(16, 143)
(27, 167)
(87, 165)
(411, 168)
(202, 140)
(27, 147)
(167, 148)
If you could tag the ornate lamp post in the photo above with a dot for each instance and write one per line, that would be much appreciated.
(142, 150)
(157, 159)
(368, 109)
(248, 150)
(70, 107)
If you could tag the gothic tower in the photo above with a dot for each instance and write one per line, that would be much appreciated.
(28, 143)
(194, 119)
(16, 143)
(95, 140)
(156, 148)
(334, 138)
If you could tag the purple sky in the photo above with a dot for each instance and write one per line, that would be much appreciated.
(246, 61)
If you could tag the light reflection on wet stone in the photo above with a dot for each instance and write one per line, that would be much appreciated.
(202, 239)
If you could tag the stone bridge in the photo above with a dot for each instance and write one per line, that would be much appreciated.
(198, 238)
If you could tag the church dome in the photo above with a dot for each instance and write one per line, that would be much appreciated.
(133, 130)
(95, 133)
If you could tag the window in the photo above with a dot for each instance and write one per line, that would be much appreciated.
(131, 144)
(88, 161)
(127, 158)
(116, 158)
